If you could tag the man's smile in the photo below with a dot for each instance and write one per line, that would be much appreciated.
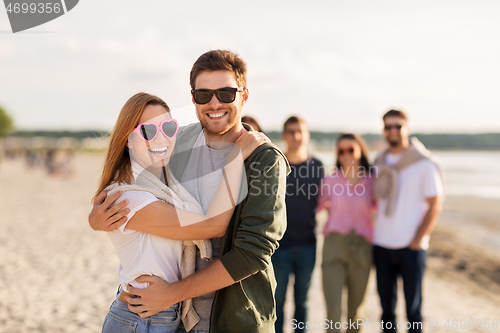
(216, 115)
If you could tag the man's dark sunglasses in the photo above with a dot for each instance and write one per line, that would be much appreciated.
(389, 127)
(224, 95)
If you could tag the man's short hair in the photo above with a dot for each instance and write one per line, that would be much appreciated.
(293, 120)
(217, 60)
(395, 113)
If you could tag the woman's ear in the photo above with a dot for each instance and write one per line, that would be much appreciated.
(129, 144)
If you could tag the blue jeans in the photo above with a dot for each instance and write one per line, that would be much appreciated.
(410, 265)
(121, 320)
(298, 260)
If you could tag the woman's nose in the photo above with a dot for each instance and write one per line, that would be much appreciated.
(161, 137)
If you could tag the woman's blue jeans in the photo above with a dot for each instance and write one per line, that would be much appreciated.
(121, 320)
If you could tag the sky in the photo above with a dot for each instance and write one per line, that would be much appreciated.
(338, 64)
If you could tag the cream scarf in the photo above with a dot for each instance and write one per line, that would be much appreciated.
(386, 183)
(176, 195)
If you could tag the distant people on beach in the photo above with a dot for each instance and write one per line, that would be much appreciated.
(252, 122)
(50, 160)
(233, 292)
(409, 191)
(55, 162)
(58, 162)
(347, 194)
(31, 159)
(65, 163)
(297, 252)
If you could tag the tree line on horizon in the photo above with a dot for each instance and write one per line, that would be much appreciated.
(458, 141)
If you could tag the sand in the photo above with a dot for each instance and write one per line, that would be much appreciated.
(57, 275)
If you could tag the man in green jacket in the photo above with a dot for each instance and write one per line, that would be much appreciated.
(242, 276)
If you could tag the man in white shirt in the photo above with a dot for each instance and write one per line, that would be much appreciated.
(409, 204)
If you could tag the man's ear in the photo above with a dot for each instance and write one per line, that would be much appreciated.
(244, 96)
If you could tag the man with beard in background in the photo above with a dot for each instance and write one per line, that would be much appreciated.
(409, 191)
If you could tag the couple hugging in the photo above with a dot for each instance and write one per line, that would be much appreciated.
(184, 210)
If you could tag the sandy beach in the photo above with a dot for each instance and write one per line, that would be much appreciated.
(57, 275)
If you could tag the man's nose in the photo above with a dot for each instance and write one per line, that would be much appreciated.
(214, 101)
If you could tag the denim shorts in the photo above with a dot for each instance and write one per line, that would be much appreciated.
(121, 320)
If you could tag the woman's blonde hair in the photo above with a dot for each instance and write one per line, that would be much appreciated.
(117, 167)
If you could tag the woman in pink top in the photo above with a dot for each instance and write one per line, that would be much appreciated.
(347, 250)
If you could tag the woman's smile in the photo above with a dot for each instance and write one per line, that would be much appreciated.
(159, 151)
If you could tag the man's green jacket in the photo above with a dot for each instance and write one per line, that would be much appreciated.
(257, 224)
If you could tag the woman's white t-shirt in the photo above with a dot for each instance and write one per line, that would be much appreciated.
(141, 253)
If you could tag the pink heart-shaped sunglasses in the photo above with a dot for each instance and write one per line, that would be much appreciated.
(149, 131)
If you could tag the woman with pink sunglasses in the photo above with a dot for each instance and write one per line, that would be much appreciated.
(347, 251)
(140, 148)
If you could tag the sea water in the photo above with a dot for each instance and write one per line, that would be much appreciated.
(474, 173)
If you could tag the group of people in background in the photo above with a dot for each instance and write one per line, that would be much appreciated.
(403, 188)
(54, 162)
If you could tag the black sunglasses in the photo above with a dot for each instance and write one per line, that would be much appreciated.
(389, 127)
(346, 151)
(224, 95)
